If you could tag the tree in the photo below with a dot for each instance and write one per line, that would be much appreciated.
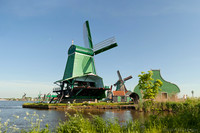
(149, 86)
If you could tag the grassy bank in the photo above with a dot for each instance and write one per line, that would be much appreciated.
(168, 105)
(77, 106)
(142, 106)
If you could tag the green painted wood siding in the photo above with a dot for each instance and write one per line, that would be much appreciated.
(78, 65)
(167, 87)
(119, 99)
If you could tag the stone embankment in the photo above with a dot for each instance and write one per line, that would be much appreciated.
(80, 107)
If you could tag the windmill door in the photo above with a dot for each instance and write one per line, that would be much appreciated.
(127, 99)
(118, 99)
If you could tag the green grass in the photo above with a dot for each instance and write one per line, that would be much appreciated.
(77, 123)
(147, 106)
(144, 106)
(98, 104)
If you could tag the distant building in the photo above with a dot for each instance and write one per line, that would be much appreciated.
(168, 91)
(120, 96)
(109, 95)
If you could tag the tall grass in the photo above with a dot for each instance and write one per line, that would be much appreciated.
(186, 120)
(171, 106)
(79, 124)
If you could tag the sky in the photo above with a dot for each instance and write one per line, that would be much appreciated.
(151, 34)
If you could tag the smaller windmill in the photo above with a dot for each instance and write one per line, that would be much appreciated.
(39, 97)
(120, 84)
(24, 96)
(48, 96)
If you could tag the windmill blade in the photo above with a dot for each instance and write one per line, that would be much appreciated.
(24, 95)
(127, 78)
(111, 88)
(87, 35)
(48, 93)
(119, 75)
(116, 83)
(105, 45)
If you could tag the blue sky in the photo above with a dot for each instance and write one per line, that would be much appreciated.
(151, 34)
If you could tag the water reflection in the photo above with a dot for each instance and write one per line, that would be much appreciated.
(109, 114)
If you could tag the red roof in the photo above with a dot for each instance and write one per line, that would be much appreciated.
(118, 93)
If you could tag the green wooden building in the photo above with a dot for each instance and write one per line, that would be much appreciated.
(168, 91)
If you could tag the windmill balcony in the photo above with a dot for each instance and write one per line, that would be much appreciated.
(57, 89)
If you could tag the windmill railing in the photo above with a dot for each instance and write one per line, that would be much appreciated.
(56, 89)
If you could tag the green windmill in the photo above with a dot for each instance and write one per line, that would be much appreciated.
(80, 81)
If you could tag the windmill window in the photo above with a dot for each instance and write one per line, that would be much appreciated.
(92, 84)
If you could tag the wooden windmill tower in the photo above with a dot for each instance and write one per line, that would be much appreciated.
(80, 81)
(120, 84)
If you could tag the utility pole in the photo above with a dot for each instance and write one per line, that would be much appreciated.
(192, 93)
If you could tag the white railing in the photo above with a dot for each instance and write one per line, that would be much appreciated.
(57, 89)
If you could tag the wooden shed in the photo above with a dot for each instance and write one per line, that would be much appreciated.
(120, 96)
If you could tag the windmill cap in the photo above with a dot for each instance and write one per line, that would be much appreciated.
(79, 49)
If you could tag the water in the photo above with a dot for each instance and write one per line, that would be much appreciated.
(53, 117)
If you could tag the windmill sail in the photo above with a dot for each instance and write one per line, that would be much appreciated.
(119, 75)
(87, 35)
(105, 45)
(127, 78)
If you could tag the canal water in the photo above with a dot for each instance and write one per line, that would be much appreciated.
(9, 110)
